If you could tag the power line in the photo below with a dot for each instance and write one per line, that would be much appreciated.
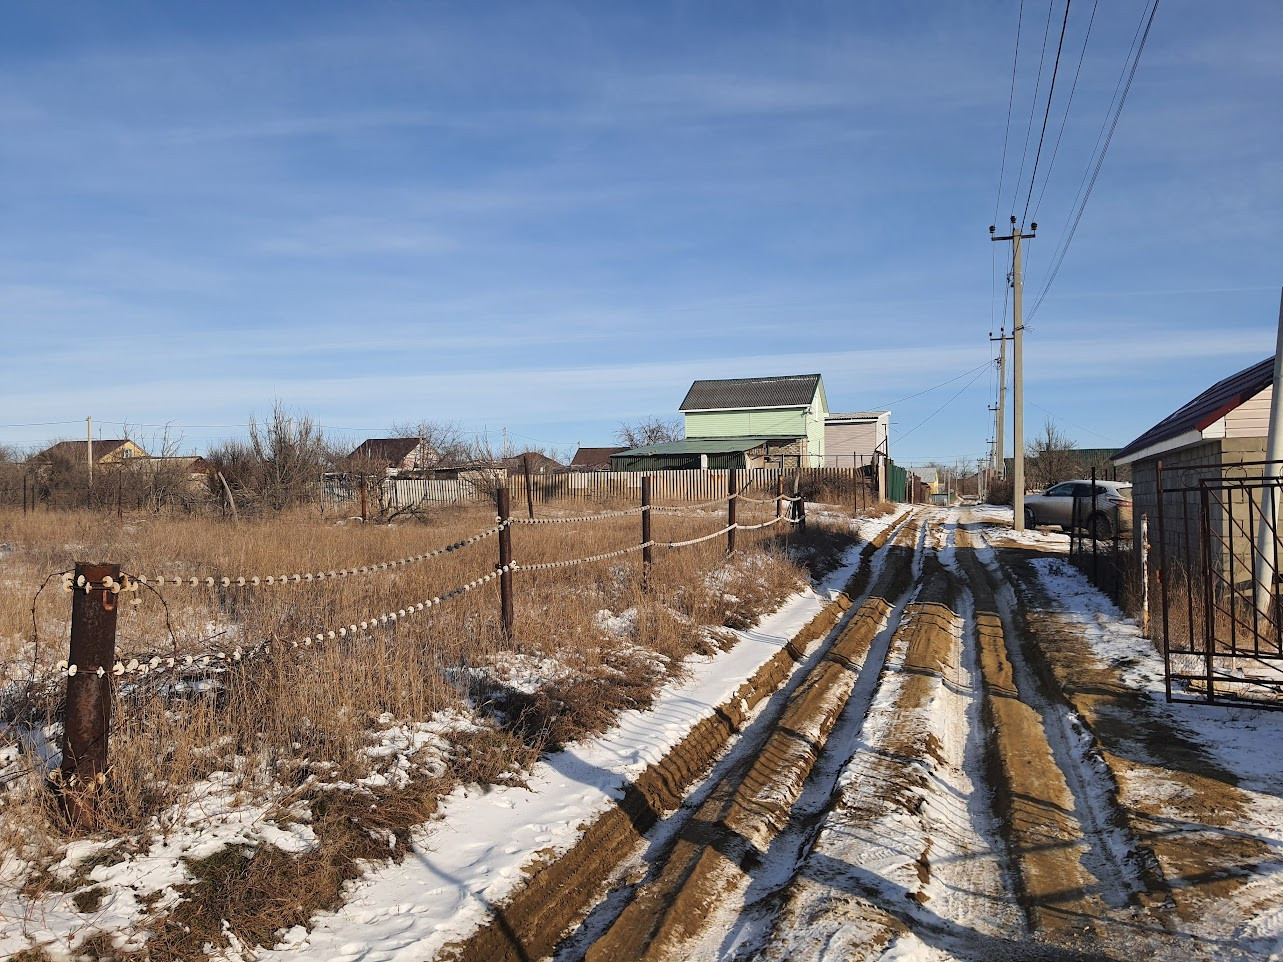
(1051, 93)
(1015, 59)
(936, 387)
(1073, 88)
(1056, 417)
(1058, 257)
(1033, 107)
(900, 439)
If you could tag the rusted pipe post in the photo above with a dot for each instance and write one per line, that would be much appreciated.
(505, 561)
(648, 549)
(1094, 521)
(87, 714)
(732, 483)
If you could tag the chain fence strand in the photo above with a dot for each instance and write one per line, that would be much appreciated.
(242, 581)
(157, 664)
(570, 563)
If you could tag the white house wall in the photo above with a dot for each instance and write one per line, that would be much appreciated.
(1251, 419)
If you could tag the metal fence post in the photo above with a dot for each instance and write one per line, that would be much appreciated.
(1094, 530)
(505, 560)
(732, 485)
(87, 716)
(1144, 574)
(530, 487)
(1163, 574)
(779, 495)
(648, 556)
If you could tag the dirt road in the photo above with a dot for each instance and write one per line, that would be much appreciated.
(952, 772)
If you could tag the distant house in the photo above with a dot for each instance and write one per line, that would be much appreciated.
(594, 459)
(105, 451)
(391, 455)
(539, 463)
(743, 423)
(856, 439)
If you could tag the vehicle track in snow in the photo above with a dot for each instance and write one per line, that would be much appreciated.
(926, 784)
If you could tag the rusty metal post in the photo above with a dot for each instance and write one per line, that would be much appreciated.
(801, 514)
(1095, 531)
(1162, 580)
(530, 488)
(648, 549)
(505, 561)
(1209, 624)
(1144, 574)
(87, 714)
(732, 484)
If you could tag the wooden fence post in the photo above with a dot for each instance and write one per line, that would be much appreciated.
(731, 486)
(87, 716)
(530, 488)
(648, 555)
(505, 560)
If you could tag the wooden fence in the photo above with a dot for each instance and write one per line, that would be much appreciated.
(849, 484)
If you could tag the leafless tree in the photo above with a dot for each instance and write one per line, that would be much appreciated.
(446, 441)
(651, 430)
(1051, 458)
(281, 464)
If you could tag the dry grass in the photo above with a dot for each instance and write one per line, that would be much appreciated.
(587, 644)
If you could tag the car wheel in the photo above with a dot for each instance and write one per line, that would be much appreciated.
(1030, 520)
(1099, 527)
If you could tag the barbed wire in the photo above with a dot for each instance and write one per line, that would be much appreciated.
(393, 617)
(570, 563)
(582, 518)
(243, 581)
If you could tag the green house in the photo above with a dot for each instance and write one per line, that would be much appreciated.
(755, 422)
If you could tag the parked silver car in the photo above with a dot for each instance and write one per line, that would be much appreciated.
(1111, 511)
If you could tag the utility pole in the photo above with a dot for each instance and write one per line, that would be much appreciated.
(1017, 374)
(1000, 449)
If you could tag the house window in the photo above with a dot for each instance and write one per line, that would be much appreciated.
(126, 453)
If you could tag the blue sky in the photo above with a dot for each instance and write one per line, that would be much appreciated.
(552, 217)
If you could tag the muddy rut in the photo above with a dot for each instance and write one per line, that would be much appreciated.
(932, 773)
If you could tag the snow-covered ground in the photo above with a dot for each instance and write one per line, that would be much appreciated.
(465, 861)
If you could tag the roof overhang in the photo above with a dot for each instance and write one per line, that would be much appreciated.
(1163, 447)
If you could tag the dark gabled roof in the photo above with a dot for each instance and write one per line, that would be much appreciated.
(594, 457)
(538, 462)
(700, 446)
(75, 450)
(387, 450)
(1208, 408)
(796, 390)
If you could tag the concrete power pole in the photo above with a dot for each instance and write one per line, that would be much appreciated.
(1017, 374)
(1000, 447)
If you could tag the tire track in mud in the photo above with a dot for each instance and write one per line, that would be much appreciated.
(559, 892)
(1191, 823)
(1085, 880)
(905, 847)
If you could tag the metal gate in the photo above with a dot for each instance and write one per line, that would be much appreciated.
(1219, 585)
